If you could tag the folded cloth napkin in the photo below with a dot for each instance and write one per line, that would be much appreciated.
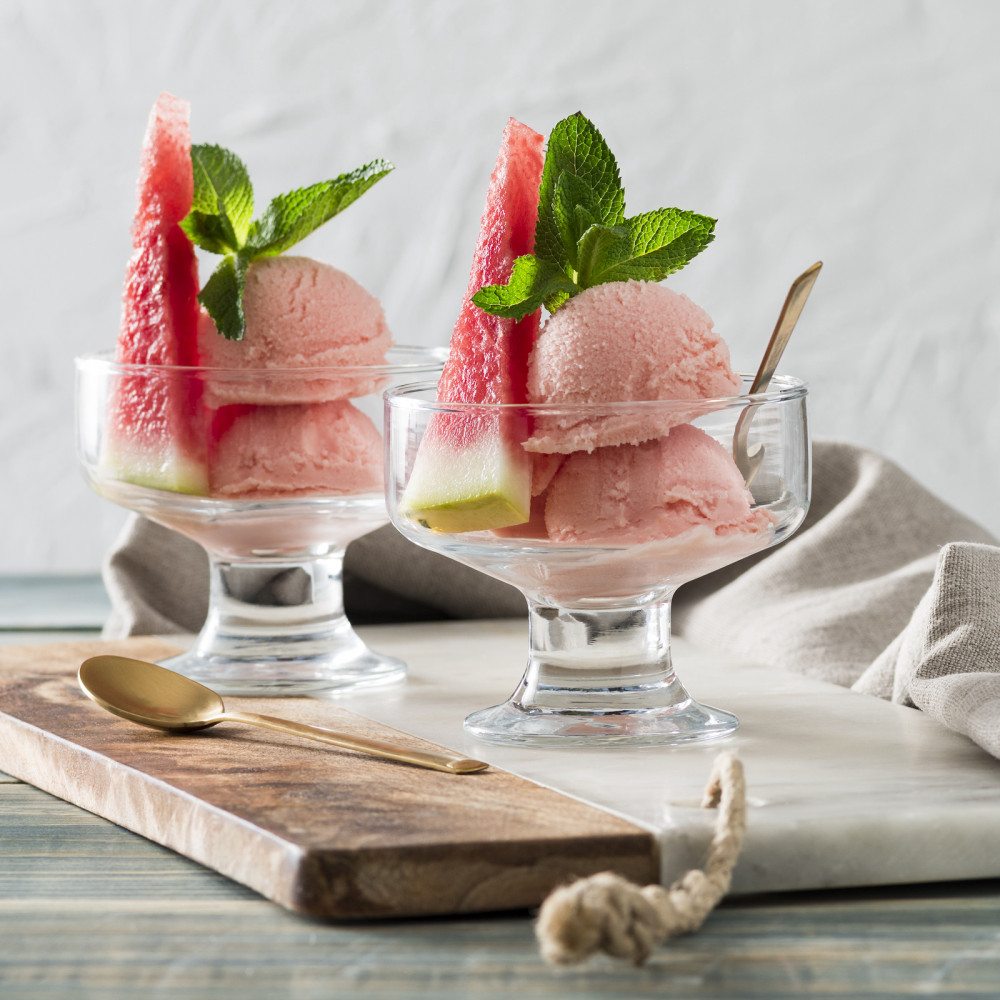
(884, 588)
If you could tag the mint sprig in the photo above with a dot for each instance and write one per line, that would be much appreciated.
(220, 222)
(582, 237)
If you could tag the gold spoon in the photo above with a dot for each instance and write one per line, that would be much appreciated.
(749, 460)
(155, 696)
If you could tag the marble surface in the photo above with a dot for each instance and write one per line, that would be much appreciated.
(844, 789)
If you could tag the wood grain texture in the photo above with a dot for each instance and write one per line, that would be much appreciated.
(322, 831)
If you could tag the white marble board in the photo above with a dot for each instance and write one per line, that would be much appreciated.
(844, 789)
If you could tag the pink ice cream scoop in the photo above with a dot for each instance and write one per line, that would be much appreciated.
(658, 489)
(294, 450)
(624, 341)
(300, 313)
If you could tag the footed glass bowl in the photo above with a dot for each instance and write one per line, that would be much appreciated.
(609, 536)
(273, 473)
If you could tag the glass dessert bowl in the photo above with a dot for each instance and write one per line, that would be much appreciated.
(610, 535)
(273, 472)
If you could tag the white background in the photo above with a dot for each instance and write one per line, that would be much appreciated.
(865, 133)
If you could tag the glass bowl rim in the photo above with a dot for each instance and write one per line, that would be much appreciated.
(424, 359)
(783, 388)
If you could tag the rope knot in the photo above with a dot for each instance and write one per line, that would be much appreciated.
(606, 912)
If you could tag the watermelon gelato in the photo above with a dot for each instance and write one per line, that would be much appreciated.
(300, 313)
(625, 474)
(664, 487)
(623, 341)
(294, 450)
(632, 475)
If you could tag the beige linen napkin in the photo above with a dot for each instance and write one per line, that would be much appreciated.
(884, 588)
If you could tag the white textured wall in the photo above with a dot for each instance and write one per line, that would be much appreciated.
(862, 133)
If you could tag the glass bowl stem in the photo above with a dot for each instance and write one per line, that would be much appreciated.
(278, 626)
(600, 675)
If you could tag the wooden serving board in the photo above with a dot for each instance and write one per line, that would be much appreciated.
(323, 831)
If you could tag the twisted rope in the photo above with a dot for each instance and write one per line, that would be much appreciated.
(606, 912)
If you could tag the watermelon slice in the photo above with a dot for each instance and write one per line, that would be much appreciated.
(155, 433)
(471, 472)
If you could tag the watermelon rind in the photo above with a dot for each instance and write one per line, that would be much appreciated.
(471, 472)
(173, 471)
(481, 487)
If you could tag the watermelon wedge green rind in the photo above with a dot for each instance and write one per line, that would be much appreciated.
(155, 433)
(471, 472)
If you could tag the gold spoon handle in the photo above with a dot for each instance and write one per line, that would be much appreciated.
(795, 300)
(392, 751)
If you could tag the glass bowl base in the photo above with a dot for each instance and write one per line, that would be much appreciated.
(513, 724)
(285, 674)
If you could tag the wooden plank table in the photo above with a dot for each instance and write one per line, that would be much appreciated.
(89, 910)
(87, 905)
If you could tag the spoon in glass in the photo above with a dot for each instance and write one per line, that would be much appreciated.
(749, 459)
(163, 699)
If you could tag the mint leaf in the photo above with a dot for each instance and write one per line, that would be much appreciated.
(223, 200)
(648, 248)
(222, 296)
(579, 171)
(598, 244)
(291, 217)
(572, 209)
(533, 283)
(214, 233)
